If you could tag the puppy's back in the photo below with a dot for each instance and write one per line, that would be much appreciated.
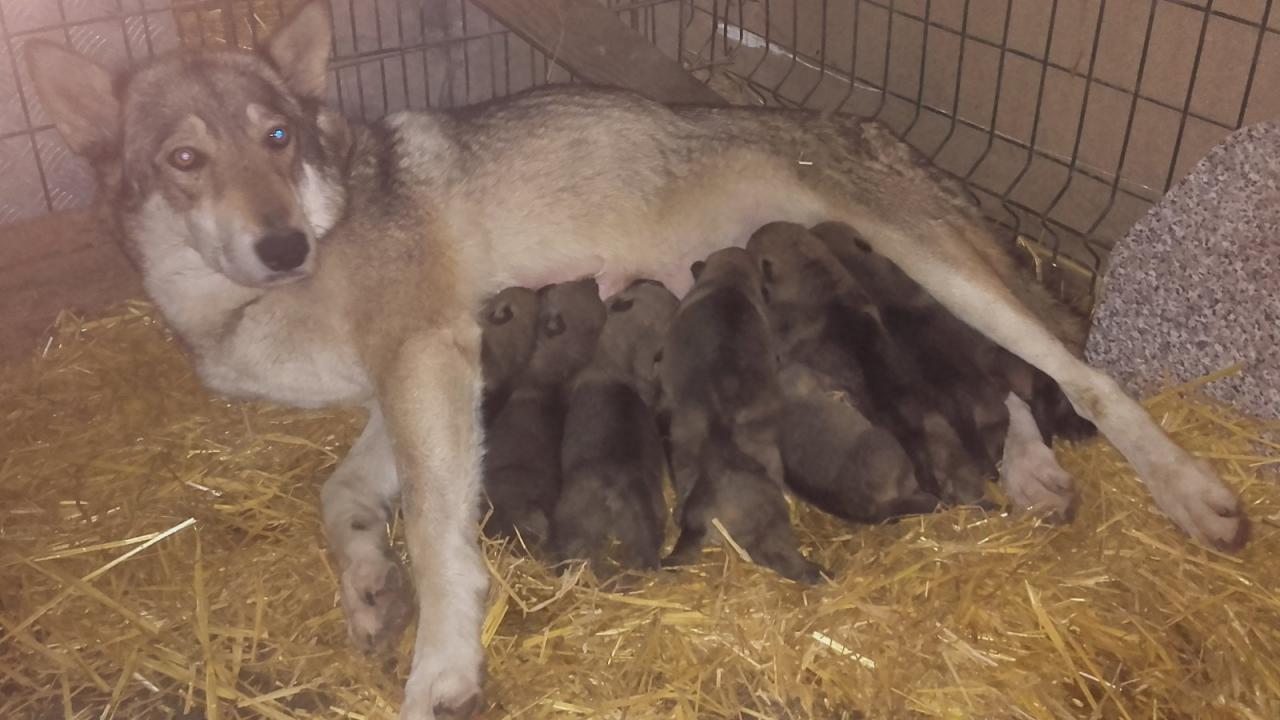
(613, 464)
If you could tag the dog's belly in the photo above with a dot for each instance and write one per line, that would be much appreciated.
(662, 242)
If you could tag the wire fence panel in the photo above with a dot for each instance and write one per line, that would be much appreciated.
(1067, 118)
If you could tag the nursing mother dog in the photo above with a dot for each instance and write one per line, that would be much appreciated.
(308, 260)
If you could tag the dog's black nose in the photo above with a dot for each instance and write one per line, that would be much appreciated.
(282, 251)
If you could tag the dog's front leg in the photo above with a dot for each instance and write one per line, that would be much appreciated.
(357, 501)
(430, 396)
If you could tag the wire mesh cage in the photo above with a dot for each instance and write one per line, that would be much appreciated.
(1066, 118)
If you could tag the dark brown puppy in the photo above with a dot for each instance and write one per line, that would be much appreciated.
(837, 460)
(957, 359)
(522, 465)
(509, 323)
(612, 458)
(719, 380)
(826, 320)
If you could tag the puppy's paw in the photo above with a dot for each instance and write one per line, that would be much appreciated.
(787, 561)
(1032, 478)
(377, 601)
(1191, 494)
(442, 692)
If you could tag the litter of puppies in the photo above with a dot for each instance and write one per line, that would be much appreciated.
(804, 362)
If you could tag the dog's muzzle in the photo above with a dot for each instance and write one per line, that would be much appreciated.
(283, 251)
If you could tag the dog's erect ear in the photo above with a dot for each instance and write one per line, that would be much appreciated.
(78, 95)
(300, 49)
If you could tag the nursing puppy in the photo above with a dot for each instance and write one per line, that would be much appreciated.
(719, 381)
(956, 352)
(522, 465)
(837, 460)
(959, 362)
(824, 319)
(509, 322)
(613, 460)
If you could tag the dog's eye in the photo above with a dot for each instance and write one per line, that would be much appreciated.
(621, 305)
(186, 159)
(278, 137)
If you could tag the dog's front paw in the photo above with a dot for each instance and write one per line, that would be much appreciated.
(377, 600)
(1032, 478)
(449, 692)
(1197, 501)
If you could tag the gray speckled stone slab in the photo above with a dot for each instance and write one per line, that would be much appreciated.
(1194, 287)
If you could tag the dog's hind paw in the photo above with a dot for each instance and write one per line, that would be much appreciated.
(377, 601)
(1191, 494)
(1032, 478)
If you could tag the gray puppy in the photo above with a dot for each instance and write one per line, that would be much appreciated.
(837, 460)
(522, 465)
(509, 323)
(613, 460)
(719, 381)
(827, 320)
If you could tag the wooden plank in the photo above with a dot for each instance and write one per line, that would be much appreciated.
(63, 261)
(592, 42)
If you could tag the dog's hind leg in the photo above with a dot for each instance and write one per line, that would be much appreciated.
(357, 502)
(940, 250)
(430, 393)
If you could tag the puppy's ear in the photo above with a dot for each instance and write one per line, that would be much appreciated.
(299, 49)
(78, 94)
(501, 316)
(697, 268)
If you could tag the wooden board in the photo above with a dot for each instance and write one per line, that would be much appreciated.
(592, 42)
(58, 262)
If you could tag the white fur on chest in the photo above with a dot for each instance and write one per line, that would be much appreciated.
(267, 358)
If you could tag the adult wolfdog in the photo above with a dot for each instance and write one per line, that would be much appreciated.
(311, 261)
